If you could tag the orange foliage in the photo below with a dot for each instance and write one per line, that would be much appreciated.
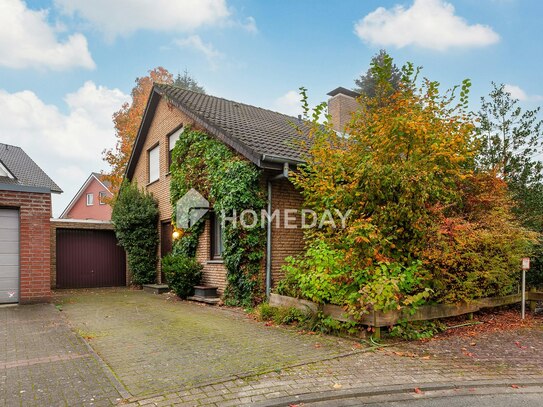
(127, 122)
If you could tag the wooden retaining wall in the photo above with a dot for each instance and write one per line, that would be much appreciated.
(423, 313)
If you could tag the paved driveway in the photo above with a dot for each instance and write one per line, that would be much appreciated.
(44, 363)
(155, 344)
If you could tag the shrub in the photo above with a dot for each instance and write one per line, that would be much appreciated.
(281, 315)
(417, 330)
(182, 274)
(135, 217)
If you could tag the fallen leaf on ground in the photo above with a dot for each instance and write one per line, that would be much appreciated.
(418, 391)
(515, 386)
(337, 386)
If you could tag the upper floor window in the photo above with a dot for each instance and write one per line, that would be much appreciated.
(90, 199)
(101, 197)
(154, 164)
(172, 139)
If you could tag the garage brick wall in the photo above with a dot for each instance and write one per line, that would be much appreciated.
(35, 268)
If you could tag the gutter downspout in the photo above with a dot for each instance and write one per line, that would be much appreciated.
(283, 175)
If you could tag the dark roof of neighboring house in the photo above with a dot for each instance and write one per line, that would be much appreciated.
(27, 175)
(265, 137)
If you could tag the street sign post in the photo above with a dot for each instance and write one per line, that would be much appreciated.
(525, 267)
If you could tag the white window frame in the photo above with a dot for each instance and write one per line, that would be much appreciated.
(172, 139)
(153, 165)
(90, 202)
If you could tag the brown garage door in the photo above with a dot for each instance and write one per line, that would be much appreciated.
(89, 258)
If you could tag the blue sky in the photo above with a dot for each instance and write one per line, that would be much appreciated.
(67, 65)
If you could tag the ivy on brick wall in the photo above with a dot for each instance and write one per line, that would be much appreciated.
(231, 184)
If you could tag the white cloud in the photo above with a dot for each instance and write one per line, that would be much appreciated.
(27, 40)
(68, 146)
(250, 25)
(427, 24)
(289, 103)
(123, 17)
(195, 43)
(517, 92)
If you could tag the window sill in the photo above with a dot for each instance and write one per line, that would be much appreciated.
(215, 262)
(152, 182)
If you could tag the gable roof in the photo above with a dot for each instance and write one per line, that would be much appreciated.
(94, 176)
(265, 137)
(27, 176)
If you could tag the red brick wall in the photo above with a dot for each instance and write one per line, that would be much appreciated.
(285, 242)
(34, 218)
(214, 272)
(340, 108)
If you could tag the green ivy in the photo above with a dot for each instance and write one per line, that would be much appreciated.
(231, 184)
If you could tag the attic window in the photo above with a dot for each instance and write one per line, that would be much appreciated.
(172, 139)
(4, 172)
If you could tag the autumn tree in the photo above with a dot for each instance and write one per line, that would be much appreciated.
(422, 222)
(127, 122)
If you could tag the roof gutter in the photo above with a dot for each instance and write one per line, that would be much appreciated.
(280, 160)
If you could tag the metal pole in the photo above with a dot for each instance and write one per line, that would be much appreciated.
(523, 305)
(268, 242)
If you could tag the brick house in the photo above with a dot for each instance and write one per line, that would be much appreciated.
(90, 202)
(263, 137)
(25, 213)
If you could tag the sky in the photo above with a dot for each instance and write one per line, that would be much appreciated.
(67, 65)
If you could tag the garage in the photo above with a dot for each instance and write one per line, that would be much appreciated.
(9, 255)
(87, 258)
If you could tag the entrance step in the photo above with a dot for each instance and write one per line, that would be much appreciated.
(211, 301)
(205, 293)
(156, 288)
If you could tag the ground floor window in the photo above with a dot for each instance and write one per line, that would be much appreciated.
(217, 245)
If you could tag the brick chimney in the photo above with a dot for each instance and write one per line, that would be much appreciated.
(341, 104)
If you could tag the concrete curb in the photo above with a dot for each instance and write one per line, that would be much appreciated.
(393, 389)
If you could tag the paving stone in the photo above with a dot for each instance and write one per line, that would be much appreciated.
(44, 363)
